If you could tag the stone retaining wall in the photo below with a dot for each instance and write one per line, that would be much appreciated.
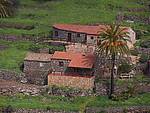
(71, 81)
(6, 110)
(102, 88)
(11, 75)
(23, 37)
(134, 109)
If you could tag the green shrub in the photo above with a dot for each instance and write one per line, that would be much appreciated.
(144, 58)
(134, 52)
(145, 44)
(129, 92)
(125, 68)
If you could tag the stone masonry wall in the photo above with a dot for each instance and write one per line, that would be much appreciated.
(62, 35)
(57, 68)
(71, 81)
(11, 75)
(133, 109)
(36, 72)
(5, 110)
(35, 65)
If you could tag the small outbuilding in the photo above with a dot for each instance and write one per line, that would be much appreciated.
(36, 67)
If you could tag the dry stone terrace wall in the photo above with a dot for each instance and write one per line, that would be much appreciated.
(23, 37)
(71, 81)
(134, 109)
(11, 75)
(3, 110)
(10, 88)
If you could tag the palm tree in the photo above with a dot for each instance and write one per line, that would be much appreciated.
(7, 7)
(113, 44)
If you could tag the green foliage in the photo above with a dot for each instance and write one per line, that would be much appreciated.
(144, 58)
(124, 68)
(7, 7)
(45, 14)
(145, 44)
(79, 103)
(134, 52)
(137, 100)
(12, 57)
(130, 92)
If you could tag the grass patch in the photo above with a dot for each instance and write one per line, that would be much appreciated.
(12, 57)
(44, 14)
(139, 100)
(78, 104)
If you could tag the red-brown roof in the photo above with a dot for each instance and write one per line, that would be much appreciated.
(38, 57)
(76, 59)
(88, 29)
(94, 30)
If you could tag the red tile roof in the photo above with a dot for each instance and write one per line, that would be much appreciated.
(38, 57)
(76, 59)
(88, 29)
(94, 30)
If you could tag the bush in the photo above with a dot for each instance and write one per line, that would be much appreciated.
(134, 52)
(145, 44)
(144, 58)
(130, 92)
(124, 68)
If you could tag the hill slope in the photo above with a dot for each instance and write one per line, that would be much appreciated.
(43, 14)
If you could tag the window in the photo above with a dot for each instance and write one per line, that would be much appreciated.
(78, 35)
(56, 33)
(41, 64)
(92, 37)
(61, 63)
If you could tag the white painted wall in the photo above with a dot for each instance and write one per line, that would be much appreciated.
(132, 35)
(91, 41)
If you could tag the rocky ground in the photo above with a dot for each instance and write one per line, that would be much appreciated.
(12, 88)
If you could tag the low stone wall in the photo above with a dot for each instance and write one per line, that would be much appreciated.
(11, 110)
(133, 109)
(67, 92)
(71, 81)
(102, 88)
(23, 37)
(11, 75)
(10, 88)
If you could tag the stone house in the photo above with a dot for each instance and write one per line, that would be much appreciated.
(85, 34)
(62, 69)
(72, 70)
(36, 67)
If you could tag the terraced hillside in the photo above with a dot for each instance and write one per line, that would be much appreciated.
(35, 17)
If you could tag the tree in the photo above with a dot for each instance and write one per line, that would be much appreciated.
(113, 44)
(7, 7)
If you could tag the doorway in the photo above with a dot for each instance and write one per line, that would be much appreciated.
(69, 37)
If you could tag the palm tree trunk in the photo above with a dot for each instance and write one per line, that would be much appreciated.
(112, 77)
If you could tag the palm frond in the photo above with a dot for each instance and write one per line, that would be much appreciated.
(114, 40)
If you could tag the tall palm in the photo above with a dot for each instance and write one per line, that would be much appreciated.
(113, 44)
(7, 7)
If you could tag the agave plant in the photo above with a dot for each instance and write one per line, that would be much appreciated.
(7, 7)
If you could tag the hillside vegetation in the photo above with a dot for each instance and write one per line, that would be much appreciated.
(36, 17)
(42, 14)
